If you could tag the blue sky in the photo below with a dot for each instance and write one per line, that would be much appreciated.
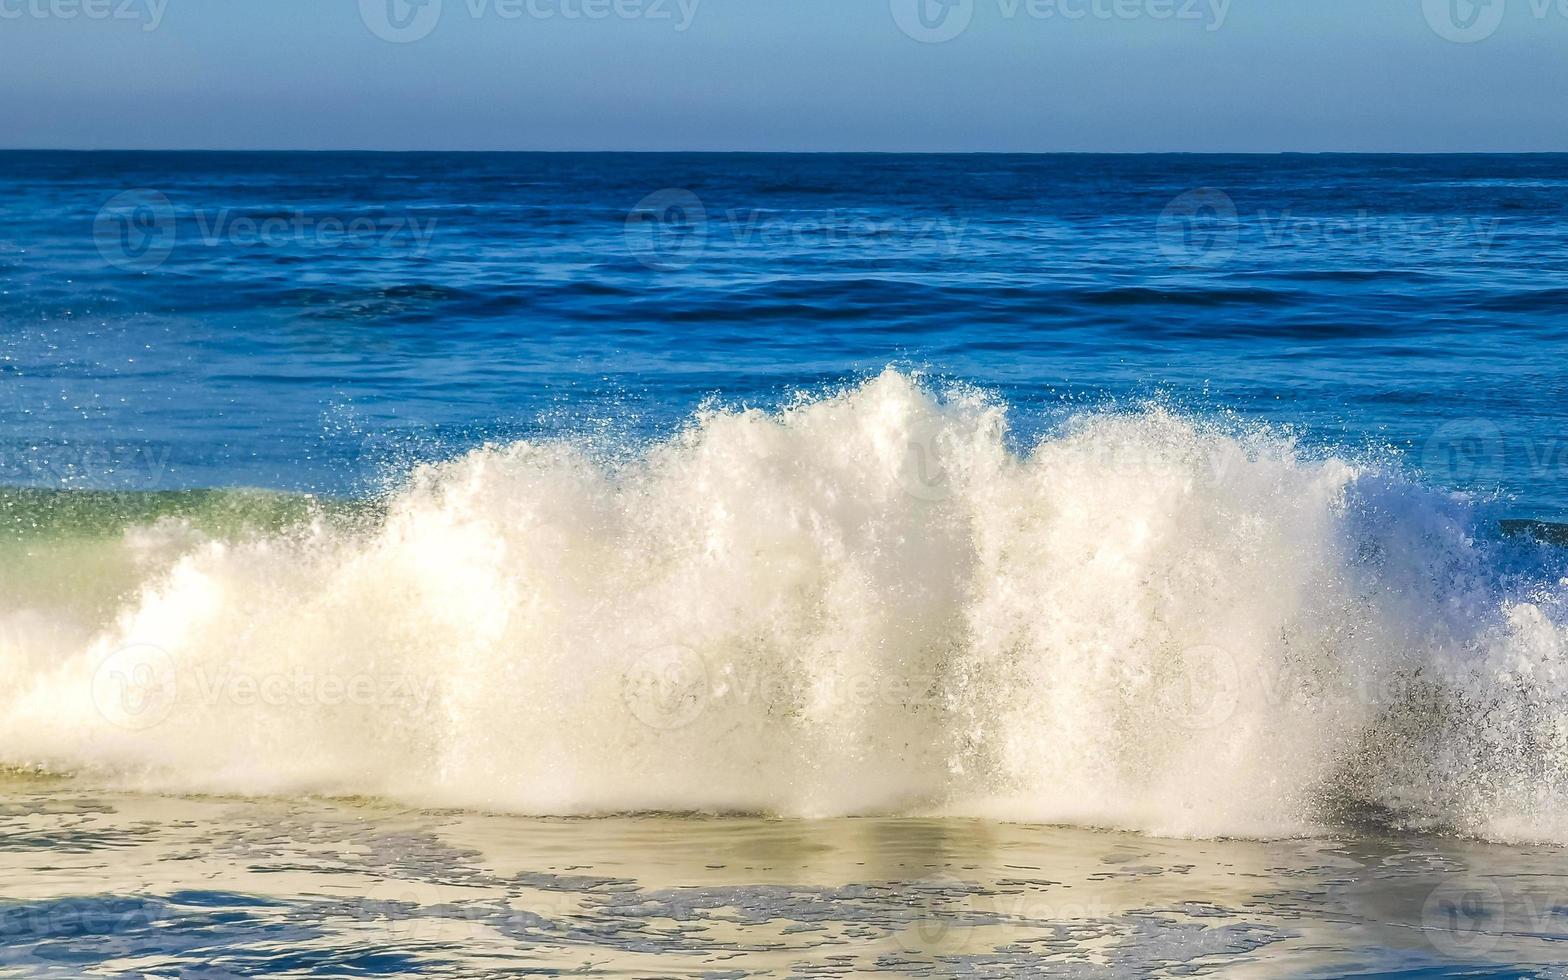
(1006, 75)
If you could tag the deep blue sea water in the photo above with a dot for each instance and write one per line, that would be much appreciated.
(405, 305)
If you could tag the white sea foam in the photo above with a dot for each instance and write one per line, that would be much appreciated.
(864, 603)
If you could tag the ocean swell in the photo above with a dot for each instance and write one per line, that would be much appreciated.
(864, 603)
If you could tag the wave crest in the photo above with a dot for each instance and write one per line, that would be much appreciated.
(866, 602)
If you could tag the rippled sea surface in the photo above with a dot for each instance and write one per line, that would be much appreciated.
(298, 320)
(106, 885)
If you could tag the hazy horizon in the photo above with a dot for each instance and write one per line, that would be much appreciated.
(1037, 76)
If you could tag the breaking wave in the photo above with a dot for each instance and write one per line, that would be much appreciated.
(867, 602)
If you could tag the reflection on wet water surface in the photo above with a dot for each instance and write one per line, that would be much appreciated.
(100, 884)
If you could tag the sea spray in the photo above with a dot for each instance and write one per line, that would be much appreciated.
(866, 602)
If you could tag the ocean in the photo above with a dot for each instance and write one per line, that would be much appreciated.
(783, 565)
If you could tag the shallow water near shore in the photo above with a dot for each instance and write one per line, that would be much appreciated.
(116, 885)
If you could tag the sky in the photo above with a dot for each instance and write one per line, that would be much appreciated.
(774, 75)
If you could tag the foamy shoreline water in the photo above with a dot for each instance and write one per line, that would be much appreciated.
(96, 883)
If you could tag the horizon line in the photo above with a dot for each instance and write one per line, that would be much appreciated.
(709, 152)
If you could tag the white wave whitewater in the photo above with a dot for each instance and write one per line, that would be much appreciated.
(864, 603)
